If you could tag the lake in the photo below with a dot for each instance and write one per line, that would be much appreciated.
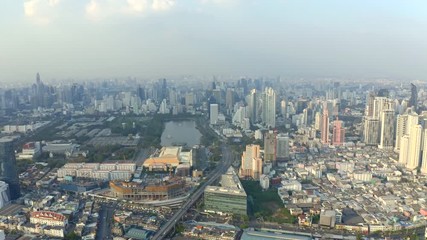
(180, 132)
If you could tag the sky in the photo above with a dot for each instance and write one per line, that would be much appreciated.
(87, 39)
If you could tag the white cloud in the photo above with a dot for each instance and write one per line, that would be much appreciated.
(137, 5)
(99, 9)
(162, 5)
(40, 11)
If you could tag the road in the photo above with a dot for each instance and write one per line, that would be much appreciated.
(221, 168)
(103, 231)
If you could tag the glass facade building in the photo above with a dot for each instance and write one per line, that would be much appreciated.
(8, 170)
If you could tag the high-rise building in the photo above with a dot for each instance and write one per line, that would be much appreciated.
(269, 108)
(423, 168)
(403, 150)
(387, 129)
(270, 145)
(370, 105)
(401, 124)
(371, 131)
(213, 115)
(282, 149)
(252, 100)
(229, 99)
(8, 169)
(229, 198)
(338, 133)
(4, 194)
(380, 104)
(413, 101)
(251, 166)
(414, 148)
(324, 130)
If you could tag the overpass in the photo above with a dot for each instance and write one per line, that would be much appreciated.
(219, 170)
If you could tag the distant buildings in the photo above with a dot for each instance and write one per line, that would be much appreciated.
(229, 198)
(8, 169)
(213, 115)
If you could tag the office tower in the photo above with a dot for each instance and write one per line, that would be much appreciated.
(403, 151)
(141, 93)
(387, 129)
(269, 108)
(424, 156)
(371, 131)
(369, 112)
(189, 99)
(283, 108)
(251, 166)
(252, 100)
(324, 130)
(4, 194)
(213, 114)
(413, 101)
(282, 149)
(401, 124)
(8, 170)
(217, 95)
(229, 99)
(317, 121)
(229, 198)
(414, 148)
(338, 133)
(380, 104)
(270, 147)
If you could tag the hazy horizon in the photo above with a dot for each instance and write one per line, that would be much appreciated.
(87, 39)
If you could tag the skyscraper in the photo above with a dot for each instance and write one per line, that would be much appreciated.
(338, 133)
(213, 114)
(252, 100)
(8, 170)
(282, 149)
(371, 131)
(251, 166)
(324, 130)
(403, 151)
(414, 148)
(413, 101)
(387, 129)
(423, 168)
(270, 147)
(401, 124)
(269, 108)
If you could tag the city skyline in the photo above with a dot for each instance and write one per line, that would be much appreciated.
(65, 39)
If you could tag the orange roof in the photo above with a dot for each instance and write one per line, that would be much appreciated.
(48, 215)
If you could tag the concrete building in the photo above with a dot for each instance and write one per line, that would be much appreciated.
(8, 168)
(371, 131)
(282, 148)
(269, 108)
(264, 181)
(251, 166)
(338, 133)
(229, 198)
(324, 129)
(4, 194)
(387, 129)
(327, 218)
(213, 114)
(48, 218)
(414, 149)
(252, 100)
(270, 146)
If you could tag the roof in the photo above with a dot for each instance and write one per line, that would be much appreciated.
(48, 215)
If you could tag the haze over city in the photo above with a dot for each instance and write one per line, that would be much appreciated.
(88, 39)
